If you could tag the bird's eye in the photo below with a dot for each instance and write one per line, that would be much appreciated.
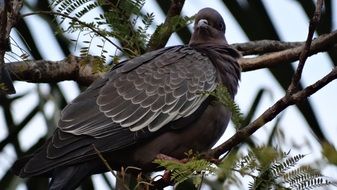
(222, 27)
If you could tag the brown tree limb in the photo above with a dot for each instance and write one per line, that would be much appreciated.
(320, 44)
(79, 69)
(271, 113)
(162, 34)
(9, 14)
(306, 49)
(82, 70)
(264, 46)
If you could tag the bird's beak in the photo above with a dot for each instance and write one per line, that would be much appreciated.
(202, 23)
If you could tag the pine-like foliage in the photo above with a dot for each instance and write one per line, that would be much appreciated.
(268, 168)
(223, 96)
(121, 23)
(274, 169)
(194, 169)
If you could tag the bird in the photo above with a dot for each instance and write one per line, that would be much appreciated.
(156, 103)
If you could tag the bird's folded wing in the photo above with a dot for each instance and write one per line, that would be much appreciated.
(147, 92)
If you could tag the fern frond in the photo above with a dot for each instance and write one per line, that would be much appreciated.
(225, 171)
(86, 9)
(222, 94)
(247, 163)
(279, 168)
(194, 168)
(312, 183)
(78, 8)
(265, 156)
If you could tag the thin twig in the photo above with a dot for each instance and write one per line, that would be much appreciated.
(306, 49)
(76, 20)
(104, 160)
(201, 182)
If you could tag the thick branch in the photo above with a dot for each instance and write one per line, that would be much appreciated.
(72, 68)
(264, 46)
(9, 11)
(321, 44)
(81, 70)
(271, 113)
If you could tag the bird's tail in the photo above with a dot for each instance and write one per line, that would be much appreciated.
(6, 84)
(66, 178)
(70, 177)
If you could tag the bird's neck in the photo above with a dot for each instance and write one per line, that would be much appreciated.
(207, 40)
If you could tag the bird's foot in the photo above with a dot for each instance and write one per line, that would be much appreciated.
(166, 176)
(163, 182)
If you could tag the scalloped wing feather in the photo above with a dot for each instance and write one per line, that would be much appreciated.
(168, 78)
(145, 92)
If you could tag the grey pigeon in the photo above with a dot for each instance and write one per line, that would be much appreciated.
(153, 104)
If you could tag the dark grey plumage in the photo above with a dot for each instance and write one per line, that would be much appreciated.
(152, 104)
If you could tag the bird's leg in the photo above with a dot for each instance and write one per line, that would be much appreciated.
(166, 178)
(163, 182)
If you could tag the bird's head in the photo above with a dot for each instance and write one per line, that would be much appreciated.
(209, 27)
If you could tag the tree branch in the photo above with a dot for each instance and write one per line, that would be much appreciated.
(264, 46)
(162, 34)
(306, 49)
(321, 44)
(79, 69)
(9, 14)
(271, 113)
(82, 70)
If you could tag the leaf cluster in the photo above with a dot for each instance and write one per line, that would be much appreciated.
(194, 169)
(223, 96)
(271, 168)
(123, 21)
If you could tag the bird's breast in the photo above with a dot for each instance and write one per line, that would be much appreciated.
(199, 136)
